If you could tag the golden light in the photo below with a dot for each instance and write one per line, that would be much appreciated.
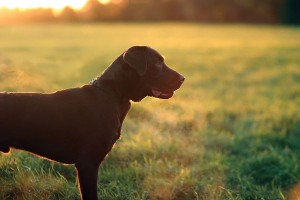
(104, 1)
(55, 4)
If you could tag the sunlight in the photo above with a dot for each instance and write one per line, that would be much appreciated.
(104, 1)
(55, 4)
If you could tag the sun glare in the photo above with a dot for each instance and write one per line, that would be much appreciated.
(55, 4)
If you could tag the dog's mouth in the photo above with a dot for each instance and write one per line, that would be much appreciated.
(166, 92)
(162, 95)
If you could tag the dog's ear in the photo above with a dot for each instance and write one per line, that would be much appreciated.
(136, 58)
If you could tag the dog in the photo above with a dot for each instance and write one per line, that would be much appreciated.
(80, 125)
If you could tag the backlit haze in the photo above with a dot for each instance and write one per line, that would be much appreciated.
(54, 4)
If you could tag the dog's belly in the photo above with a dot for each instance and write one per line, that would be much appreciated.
(45, 144)
(53, 151)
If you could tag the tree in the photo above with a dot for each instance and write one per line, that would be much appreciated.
(68, 14)
(93, 11)
(291, 12)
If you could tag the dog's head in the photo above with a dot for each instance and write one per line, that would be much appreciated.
(139, 72)
(152, 76)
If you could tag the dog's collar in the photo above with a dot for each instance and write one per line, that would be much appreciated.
(93, 82)
(109, 89)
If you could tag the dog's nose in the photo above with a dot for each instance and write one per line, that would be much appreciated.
(181, 78)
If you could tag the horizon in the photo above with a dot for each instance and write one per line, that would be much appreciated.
(55, 5)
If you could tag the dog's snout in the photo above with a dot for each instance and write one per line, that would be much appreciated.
(181, 78)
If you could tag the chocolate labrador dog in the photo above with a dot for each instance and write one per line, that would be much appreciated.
(80, 125)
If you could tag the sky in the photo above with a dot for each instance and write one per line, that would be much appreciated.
(55, 4)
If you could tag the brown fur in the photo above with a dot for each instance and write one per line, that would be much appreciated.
(80, 125)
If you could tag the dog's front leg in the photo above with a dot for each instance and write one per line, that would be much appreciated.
(87, 174)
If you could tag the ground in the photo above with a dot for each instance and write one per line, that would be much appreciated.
(231, 132)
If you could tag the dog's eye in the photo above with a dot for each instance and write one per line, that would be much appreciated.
(159, 65)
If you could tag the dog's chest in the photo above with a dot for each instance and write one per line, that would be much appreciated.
(123, 112)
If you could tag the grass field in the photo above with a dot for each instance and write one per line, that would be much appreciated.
(231, 132)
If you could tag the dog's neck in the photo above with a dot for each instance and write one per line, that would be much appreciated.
(106, 81)
(119, 79)
(110, 88)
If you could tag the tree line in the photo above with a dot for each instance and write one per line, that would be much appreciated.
(250, 11)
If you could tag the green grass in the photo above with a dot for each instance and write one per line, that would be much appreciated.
(231, 132)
